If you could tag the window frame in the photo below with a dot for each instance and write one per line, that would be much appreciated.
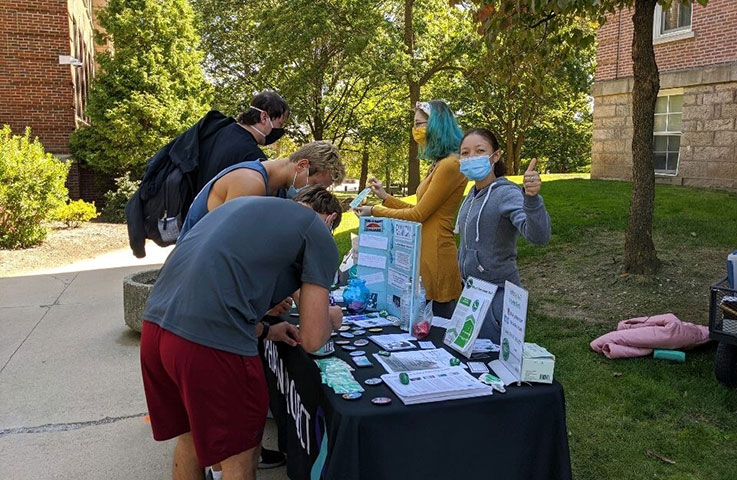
(673, 35)
(672, 92)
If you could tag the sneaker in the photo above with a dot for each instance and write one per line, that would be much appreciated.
(271, 459)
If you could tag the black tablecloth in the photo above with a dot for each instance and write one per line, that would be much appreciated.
(518, 435)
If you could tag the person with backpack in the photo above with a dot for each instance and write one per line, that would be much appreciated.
(181, 168)
(261, 124)
(203, 378)
(316, 163)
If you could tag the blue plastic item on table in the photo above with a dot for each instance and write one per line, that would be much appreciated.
(356, 296)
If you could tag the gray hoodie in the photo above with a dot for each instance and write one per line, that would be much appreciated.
(489, 224)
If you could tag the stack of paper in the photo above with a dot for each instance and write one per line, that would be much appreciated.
(394, 341)
(427, 386)
(416, 360)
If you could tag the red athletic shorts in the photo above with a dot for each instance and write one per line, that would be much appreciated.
(219, 396)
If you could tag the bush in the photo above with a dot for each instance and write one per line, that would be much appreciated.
(114, 210)
(31, 188)
(73, 214)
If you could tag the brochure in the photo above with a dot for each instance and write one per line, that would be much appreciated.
(469, 315)
(436, 385)
(509, 365)
(435, 359)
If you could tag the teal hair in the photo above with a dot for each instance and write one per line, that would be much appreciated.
(443, 133)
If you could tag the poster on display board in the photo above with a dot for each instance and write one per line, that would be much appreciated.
(469, 315)
(512, 341)
(388, 260)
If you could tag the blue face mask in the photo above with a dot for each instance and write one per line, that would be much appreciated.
(476, 168)
(293, 191)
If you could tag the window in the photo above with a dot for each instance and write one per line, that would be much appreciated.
(667, 133)
(672, 23)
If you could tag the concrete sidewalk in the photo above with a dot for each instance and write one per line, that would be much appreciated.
(71, 397)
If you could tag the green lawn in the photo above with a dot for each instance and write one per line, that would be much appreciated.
(677, 411)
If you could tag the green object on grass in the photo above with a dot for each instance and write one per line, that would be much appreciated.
(672, 355)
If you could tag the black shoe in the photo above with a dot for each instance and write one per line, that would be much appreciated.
(271, 459)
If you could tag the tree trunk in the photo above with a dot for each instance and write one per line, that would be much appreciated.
(414, 96)
(404, 179)
(517, 153)
(414, 161)
(639, 250)
(364, 168)
(509, 151)
(387, 177)
(319, 130)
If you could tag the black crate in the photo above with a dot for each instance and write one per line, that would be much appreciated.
(723, 313)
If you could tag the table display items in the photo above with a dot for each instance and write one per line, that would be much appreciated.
(325, 350)
(421, 326)
(468, 316)
(337, 374)
(425, 386)
(389, 263)
(512, 339)
(356, 296)
(417, 360)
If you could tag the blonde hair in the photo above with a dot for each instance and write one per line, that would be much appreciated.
(323, 157)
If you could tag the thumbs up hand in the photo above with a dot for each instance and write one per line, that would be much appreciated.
(532, 181)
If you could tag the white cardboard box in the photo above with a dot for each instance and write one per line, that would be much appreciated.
(537, 364)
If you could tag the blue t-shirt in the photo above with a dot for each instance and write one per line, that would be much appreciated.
(198, 209)
(224, 276)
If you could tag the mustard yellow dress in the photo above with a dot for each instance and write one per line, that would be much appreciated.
(438, 197)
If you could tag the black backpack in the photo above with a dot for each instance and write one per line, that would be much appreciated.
(158, 208)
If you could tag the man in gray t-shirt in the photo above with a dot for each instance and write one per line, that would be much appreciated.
(199, 344)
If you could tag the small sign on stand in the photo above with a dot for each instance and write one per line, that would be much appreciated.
(512, 341)
(469, 315)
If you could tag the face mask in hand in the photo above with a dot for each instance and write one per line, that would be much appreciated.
(476, 168)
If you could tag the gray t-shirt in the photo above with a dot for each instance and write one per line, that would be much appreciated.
(234, 265)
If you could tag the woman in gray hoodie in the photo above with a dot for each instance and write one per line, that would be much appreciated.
(491, 217)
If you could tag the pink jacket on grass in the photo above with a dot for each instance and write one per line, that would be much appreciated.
(638, 337)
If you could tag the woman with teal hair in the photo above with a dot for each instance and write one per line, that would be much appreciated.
(438, 197)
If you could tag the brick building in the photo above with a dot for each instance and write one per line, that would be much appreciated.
(47, 60)
(695, 137)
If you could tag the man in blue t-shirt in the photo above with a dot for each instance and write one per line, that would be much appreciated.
(203, 380)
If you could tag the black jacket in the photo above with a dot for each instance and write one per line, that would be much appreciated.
(182, 152)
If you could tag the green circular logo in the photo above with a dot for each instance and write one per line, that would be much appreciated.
(505, 349)
(475, 305)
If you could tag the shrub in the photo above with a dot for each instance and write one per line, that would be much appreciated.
(31, 188)
(115, 200)
(73, 214)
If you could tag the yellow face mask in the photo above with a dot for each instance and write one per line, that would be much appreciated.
(418, 133)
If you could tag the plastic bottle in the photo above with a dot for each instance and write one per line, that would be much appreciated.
(420, 324)
(406, 310)
(732, 269)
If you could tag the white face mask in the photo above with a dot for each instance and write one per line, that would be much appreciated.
(267, 116)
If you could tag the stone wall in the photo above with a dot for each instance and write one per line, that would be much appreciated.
(708, 154)
(708, 151)
(611, 157)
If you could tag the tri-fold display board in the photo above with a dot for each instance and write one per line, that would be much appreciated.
(388, 260)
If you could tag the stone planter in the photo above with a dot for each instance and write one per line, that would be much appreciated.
(136, 288)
